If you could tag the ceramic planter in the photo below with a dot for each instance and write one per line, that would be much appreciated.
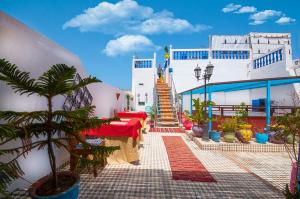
(229, 137)
(197, 130)
(187, 125)
(215, 136)
(246, 132)
(72, 192)
(151, 124)
(240, 137)
(261, 138)
(273, 139)
(289, 139)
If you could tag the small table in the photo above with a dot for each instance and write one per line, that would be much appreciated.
(125, 134)
(142, 116)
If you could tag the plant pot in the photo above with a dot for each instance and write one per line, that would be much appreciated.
(246, 132)
(261, 138)
(273, 139)
(187, 125)
(289, 139)
(229, 137)
(240, 137)
(215, 136)
(151, 124)
(71, 192)
(197, 130)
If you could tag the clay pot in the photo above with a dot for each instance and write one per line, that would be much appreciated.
(197, 130)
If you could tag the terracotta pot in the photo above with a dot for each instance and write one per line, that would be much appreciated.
(71, 192)
(197, 130)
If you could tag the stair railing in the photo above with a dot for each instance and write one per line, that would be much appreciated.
(175, 99)
(155, 101)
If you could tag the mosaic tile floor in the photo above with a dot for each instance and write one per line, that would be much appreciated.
(152, 178)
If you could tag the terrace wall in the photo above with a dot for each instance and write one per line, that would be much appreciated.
(35, 53)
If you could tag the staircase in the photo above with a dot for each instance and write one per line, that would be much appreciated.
(166, 115)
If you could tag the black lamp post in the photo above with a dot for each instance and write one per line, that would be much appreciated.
(207, 75)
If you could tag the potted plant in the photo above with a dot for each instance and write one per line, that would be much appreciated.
(152, 117)
(198, 118)
(229, 127)
(244, 133)
(128, 102)
(49, 128)
(186, 120)
(215, 135)
(288, 125)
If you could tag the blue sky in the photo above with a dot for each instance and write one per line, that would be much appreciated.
(105, 34)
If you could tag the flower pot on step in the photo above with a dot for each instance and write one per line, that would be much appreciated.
(229, 137)
(197, 130)
(261, 138)
(245, 130)
(215, 136)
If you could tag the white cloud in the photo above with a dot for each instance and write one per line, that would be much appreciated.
(129, 44)
(285, 20)
(231, 7)
(261, 17)
(246, 9)
(128, 17)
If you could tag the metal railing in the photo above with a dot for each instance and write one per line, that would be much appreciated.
(175, 99)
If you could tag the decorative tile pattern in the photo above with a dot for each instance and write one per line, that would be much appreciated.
(152, 178)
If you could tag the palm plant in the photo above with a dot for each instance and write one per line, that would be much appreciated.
(44, 129)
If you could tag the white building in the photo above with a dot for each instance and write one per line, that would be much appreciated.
(235, 58)
(143, 81)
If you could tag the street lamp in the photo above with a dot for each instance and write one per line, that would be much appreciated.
(207, 75)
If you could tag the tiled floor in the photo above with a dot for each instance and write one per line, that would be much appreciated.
(153, 178)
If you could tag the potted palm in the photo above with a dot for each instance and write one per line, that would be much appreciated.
(199, 117)
(49, 128)
(229, 127)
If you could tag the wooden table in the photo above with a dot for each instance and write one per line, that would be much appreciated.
(85, 153)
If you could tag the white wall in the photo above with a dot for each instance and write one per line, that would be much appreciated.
(143, 84)
(35, 53)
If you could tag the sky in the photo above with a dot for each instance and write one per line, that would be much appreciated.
(106, 34)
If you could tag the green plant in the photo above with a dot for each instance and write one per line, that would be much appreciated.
(241, 113)
(128, 101)
(198, 115)
(229, 125)
(45, 129)
(152, 114)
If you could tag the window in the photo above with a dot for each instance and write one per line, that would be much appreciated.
(289, 51)
(257, 41)
(225, 41)
(246, 41)
(235, 41)
(189, 55)
(278, 41)
(258, 51)
(143, 64)
(280, 54)
(268, 41)
(288, 42)
(229, 54)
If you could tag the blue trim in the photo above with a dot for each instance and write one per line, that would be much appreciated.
(209, 112)
(191, 102)
(237, 86)
(268, 105)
